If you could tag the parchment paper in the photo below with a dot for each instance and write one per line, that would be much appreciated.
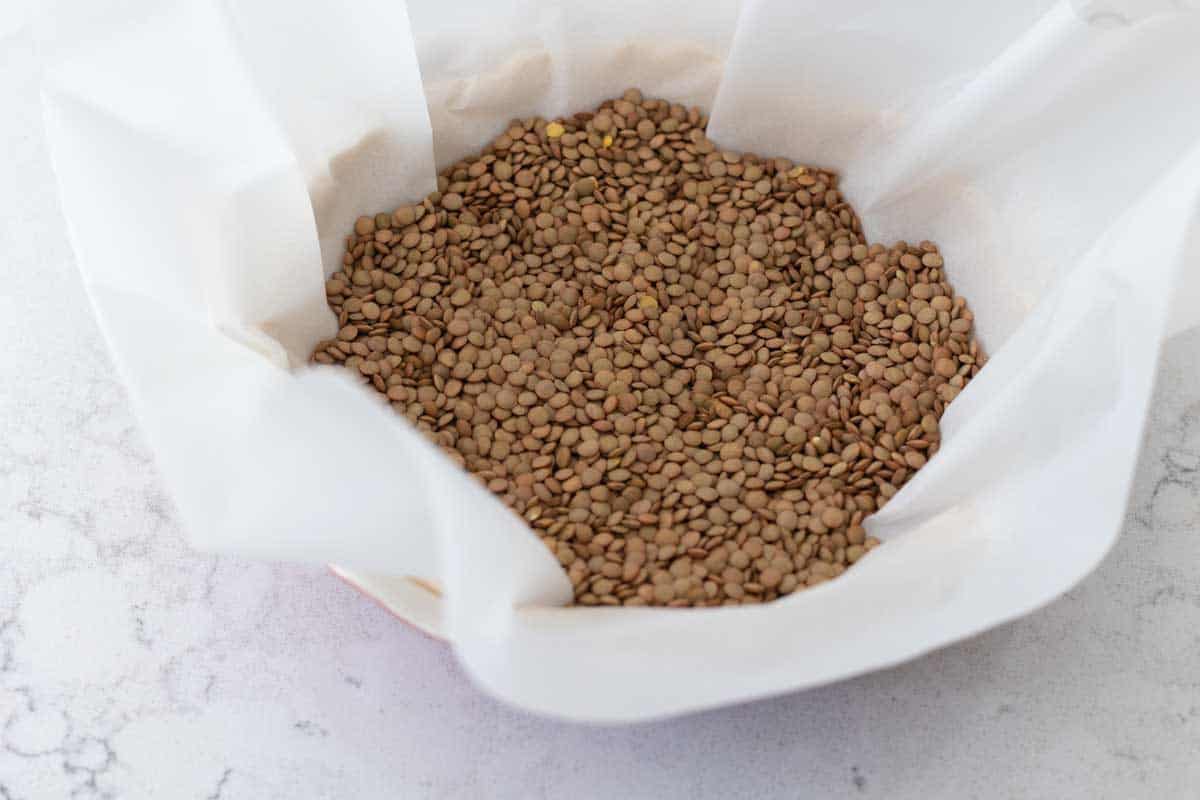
(212, 155)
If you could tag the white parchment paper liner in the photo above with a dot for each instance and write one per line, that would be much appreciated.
(212, 155)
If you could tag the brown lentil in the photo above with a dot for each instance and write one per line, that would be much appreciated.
(685, 368)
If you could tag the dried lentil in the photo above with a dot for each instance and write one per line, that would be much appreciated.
(684, 367)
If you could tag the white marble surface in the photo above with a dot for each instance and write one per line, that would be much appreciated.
(132, 667)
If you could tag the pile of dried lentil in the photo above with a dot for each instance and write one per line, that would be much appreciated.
(684, 367)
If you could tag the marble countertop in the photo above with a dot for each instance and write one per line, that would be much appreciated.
(133, 667)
